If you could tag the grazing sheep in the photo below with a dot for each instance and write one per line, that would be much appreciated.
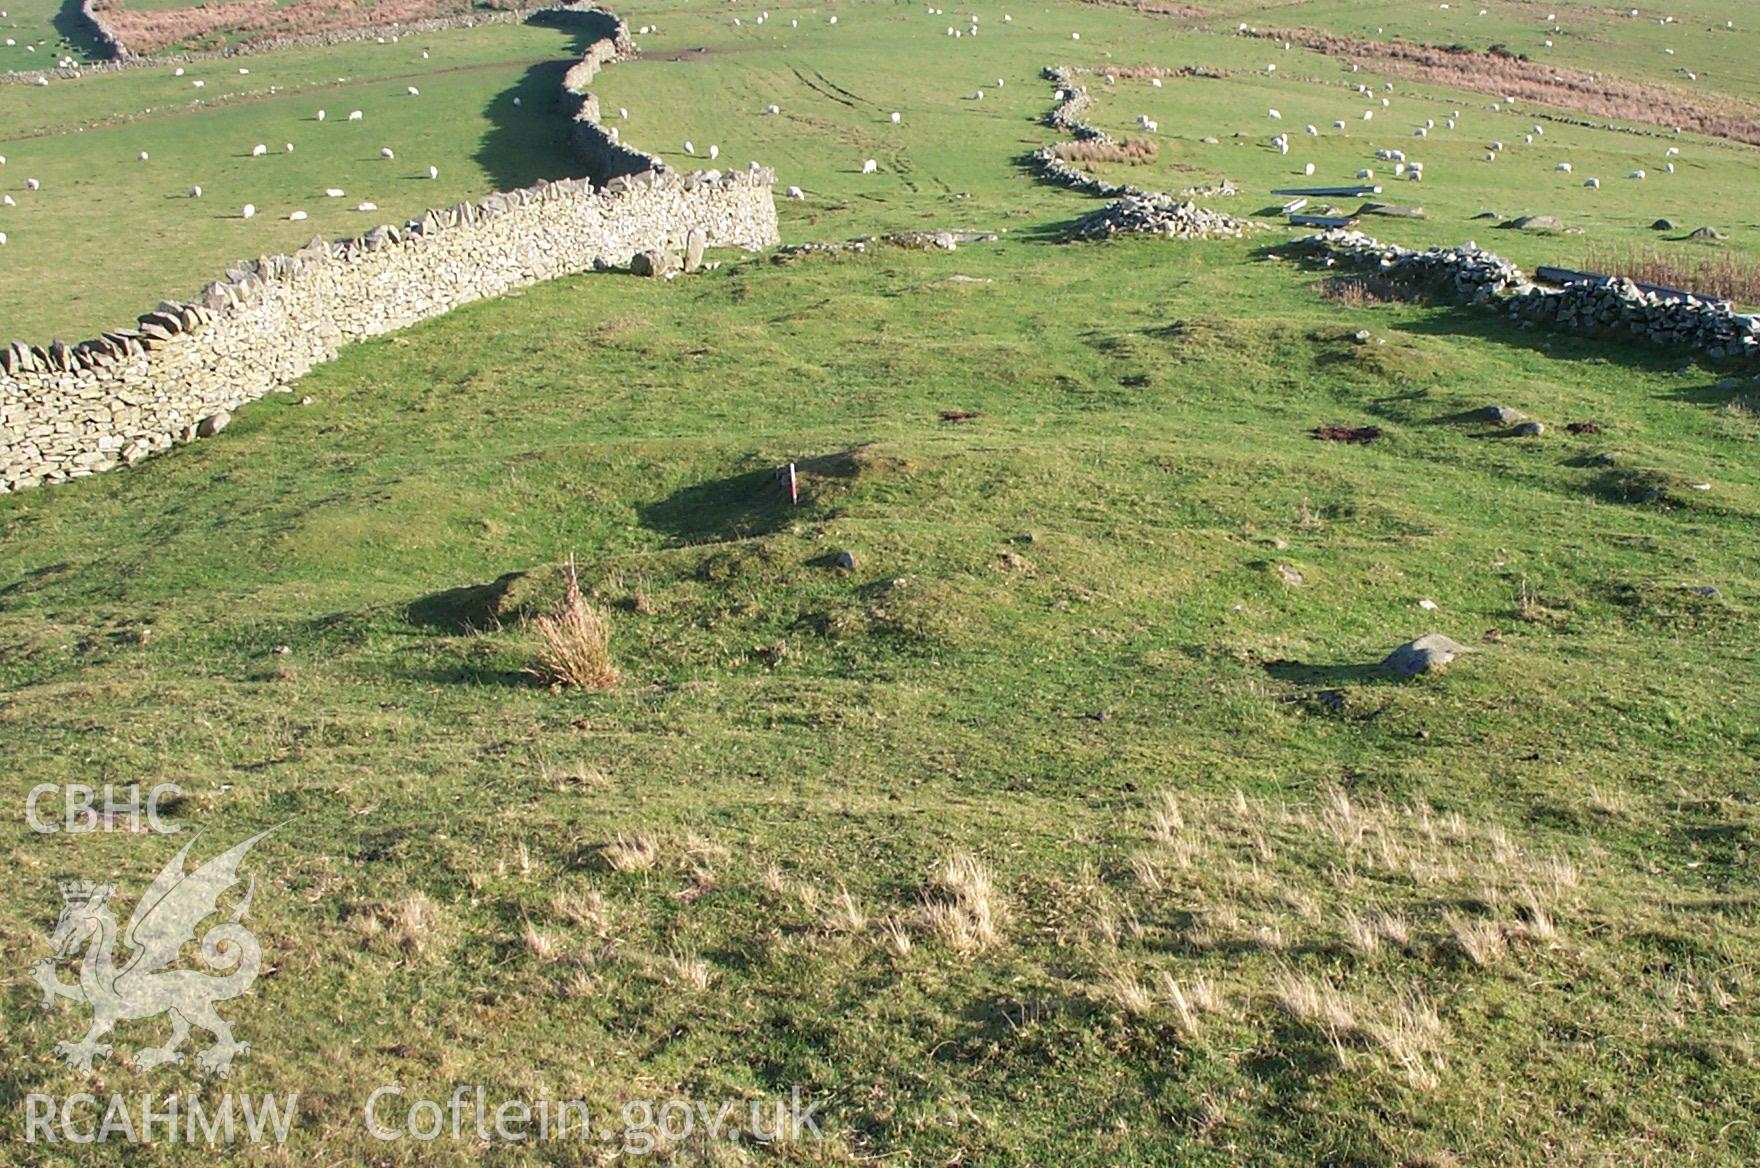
(1593, 184)
(1420, 132)
(366, 206)
(31, 184)
(1399, 170)
(772, 109)
(1155, 81)
(354, 115)
(6, 201)
(1308, 169)
(320, 115)
(1365, 173)
(1368, 115)
(1563, 168)
(795, 193)
(870, 166)
(714, 152)
(1429, 123)
(424, 54)
(141, 157)
(1274, 115)
(333, 192)
(1338, 124)
(259, 150)
(287, 147)
(1671, 152)
(385, 152)
(978, 95)
(689, 148)
(413, 91)
(896, 117)
(623, 113)
(1490, 156)
(1637, 174)
(433, 172)
(1312, 131)
(198, 83)
(1497, 145)
(195, 192)
(248, 211)
(177, 72)
(1669, 166)
(518, 101)
(296, 216)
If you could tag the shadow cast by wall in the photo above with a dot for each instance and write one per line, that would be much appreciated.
(533, 140)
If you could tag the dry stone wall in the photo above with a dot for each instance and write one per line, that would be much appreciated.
(70, 410)
(1615, 310)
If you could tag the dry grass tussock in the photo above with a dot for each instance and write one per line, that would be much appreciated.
(413, 926)
(1705, 272)
(961, 906)
(1541, 83)
(574, 641)
(1362, 291)
(1131, 151)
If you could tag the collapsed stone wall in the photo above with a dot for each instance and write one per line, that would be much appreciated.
(1616, 309)
(70, 410)
(1133, 210)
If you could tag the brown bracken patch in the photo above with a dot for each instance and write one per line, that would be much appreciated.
(1504, 74)
(960, 415)
(1353, 435)
(1584, 427)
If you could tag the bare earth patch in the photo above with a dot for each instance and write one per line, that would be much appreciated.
(1571, 89)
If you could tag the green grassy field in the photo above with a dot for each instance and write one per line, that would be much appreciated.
(1234, 895)
(102, 210)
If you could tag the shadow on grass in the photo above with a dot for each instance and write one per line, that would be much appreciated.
(531, 140)
(1303, 673)
(461, 611)
(736, 507)
(71, 24)
(1498, 329)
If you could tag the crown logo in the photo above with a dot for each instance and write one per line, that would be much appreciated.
(79, 891)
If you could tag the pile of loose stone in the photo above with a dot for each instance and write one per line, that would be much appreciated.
(1152, 214)
(912, 240)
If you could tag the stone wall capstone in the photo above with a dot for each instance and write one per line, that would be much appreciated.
(71, 410)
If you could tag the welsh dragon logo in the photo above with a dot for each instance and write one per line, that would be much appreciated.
(165, 919)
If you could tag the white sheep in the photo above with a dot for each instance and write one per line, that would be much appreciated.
(332, 192)
(296, 216)
(1593, 184)
(424, 54)
(195, 192)
(518, 101)
(198, 83)
(433, 172)
(177, 72)
(259, 150)
(413, 91)
(1308, 169)
(896, 117)
(1420, 132)
(1274, 115)
(1368, 115)
(1155, 81)
(287, 147)
(1490, 156)
(1637, 174)
(1312, 130)
(1497, 145)
(978, 95)
(772, 109)
(795, 193)
(320, 115)
(1154, 127)
(354, 115)
(1338, 124)
(714, 152)
(385, 152)
(6, 201)
(31, 184)
(1429, 123)
(248, 211)
(623, 113)
(1365, 173)
(2, 239)
(366, 206)
(141, 157)
(1563, 168)
(1671, 152)
(1669, 166)
(870, 166)
(689, 148)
